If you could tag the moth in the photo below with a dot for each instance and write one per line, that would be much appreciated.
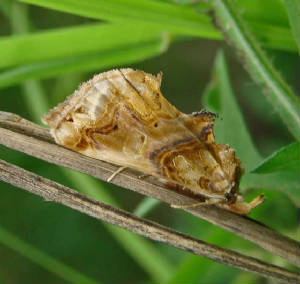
(121, 117)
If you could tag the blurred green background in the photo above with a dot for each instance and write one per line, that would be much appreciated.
(45, 54)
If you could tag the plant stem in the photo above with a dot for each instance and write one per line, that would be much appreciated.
(282, 98)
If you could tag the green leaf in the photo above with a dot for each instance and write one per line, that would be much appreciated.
(89, 62)
(282, 98)
(186, 20)
(285, 159)
(71, 42)
(145, 206)
(87, 48)
(287, 182)
(293, 10)
(168, 16)
(230, 127)
(269, 12)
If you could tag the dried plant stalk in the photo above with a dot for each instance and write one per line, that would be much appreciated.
(24, 136)
(52, 191)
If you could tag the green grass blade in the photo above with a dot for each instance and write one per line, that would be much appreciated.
(283, 100)
(285, 159)
(71, 42)
(158, 14)
(145, 206)
(293, 10)
(90, 62)
(42, 259)
(167, 16)
(230, 127)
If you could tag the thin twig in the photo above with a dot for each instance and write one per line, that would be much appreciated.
(24, 136)
(52, 191)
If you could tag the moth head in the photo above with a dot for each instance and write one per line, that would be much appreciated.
(227, 172)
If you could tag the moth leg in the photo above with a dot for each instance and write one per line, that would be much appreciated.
(120, 169)
(257, 201)
(206, 202)
(241, 207)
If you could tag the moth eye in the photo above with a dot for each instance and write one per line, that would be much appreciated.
(115, 127)
(155, 124)
(228, 196)
(70, 119)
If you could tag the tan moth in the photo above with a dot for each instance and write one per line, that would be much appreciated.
(121, 117)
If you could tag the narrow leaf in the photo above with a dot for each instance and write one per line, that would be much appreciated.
(145, 206)
(285, 159)
(70, 42)
(182, 19)
(293, 10)
(167, 15)
(287, 182)
(88, 62)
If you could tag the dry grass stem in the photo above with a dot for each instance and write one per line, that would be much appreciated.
(52, 191)
(22, 135)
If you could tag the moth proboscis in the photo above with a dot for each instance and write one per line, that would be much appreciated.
(121, 117)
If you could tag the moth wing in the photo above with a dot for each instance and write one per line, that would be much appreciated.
(121, 117)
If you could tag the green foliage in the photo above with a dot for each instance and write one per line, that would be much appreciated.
(166, 15)
(84, 48)
(153, 35)
(284, 101)
(285, 159)
(293, 9)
